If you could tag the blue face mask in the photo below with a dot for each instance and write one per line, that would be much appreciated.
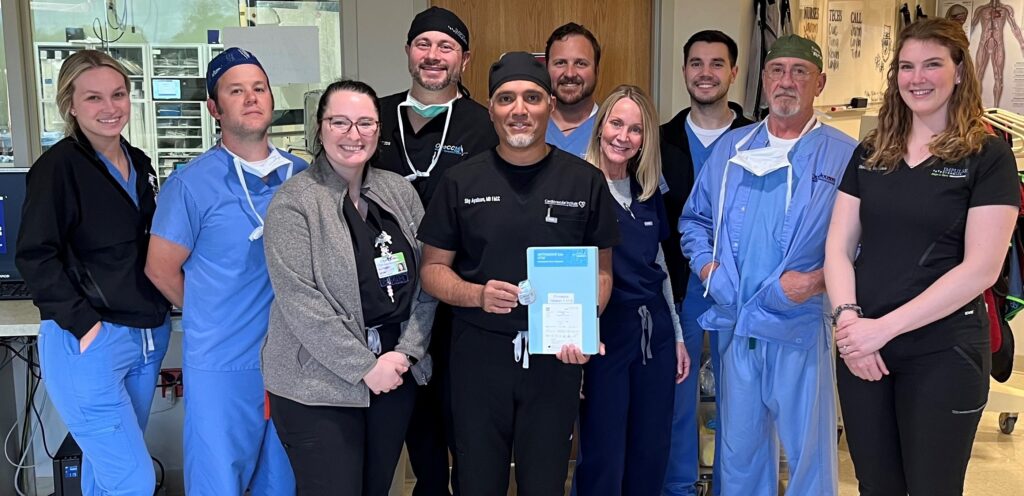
(424, 110)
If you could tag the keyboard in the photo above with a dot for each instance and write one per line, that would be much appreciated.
(14, 290)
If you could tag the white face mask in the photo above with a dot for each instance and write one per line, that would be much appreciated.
(762, 161)
(264, 168)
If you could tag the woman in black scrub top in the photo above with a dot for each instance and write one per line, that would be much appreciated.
(930, 200)
(349, 326)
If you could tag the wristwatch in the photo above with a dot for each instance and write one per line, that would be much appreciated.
(412, 359)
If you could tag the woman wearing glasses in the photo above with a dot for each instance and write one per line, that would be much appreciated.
(349, 326)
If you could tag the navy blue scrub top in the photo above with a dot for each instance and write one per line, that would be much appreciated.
(637, 276)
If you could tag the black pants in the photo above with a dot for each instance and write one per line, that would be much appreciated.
(342, 450)
(912, 431)
(501, 408)
(430, 432)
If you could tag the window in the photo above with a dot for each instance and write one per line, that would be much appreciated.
(166, 46)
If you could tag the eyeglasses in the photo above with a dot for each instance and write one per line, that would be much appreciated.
(443, 47)
(797, 73)
(365, 127)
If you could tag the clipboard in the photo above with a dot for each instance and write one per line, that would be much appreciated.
(564, 279)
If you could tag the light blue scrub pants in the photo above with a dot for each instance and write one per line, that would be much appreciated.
(230, 445)
(104, 396)
(774, 392)
(683, 463)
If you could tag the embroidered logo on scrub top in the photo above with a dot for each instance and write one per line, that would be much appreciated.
(824, 177)
(482, 199)
(950, 172)
(565, 203)
(452, 149)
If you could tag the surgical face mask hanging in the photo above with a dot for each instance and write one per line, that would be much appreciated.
(424, 110)
(430, 111)
(759, 162)
(272, 163)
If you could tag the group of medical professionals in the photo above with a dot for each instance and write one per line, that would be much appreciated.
(337, 310)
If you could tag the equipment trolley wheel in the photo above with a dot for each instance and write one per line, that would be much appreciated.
(1007, 421)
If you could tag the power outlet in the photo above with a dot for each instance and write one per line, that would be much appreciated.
(171, 383)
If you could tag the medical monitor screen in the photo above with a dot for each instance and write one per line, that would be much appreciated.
(12, 196)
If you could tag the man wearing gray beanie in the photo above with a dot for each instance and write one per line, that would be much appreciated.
(486, 212)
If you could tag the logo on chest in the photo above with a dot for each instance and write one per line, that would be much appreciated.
(451, 149)
(566, 203)
(482, 199)
(821, 176)
(950, 172)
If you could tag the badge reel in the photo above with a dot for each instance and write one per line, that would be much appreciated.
(392, 269)
(526, 293)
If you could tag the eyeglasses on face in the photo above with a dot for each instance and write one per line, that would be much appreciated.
(365, 127)
(798, 73)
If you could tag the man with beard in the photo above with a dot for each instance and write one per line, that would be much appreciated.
(754, 230)
(423, 133)
(573, 55)
(709, 69)
(206, 256)
(487, 211)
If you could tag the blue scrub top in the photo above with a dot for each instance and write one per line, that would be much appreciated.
(227, 288)
(127, 184)
(694, 303)
(759, 251)
(698, 152)
(576, 142)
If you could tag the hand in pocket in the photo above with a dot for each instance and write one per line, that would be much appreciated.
(83, 344)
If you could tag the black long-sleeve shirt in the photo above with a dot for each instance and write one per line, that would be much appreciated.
(83, 242)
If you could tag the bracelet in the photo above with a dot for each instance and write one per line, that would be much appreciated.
(844, 307)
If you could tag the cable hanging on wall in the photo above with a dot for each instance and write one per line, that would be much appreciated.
(114, 19)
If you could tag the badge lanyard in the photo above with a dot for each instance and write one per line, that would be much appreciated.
(391, 267)
(440, 146)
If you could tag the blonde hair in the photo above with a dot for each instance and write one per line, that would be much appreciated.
(964, 133)
(646, 164)
(73, 67)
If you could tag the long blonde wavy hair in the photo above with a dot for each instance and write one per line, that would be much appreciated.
(964, 133)
(646, 164)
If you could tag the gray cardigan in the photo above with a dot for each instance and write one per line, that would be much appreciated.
(316, 352)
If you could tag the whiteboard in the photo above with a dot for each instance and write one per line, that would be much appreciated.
(857, 38)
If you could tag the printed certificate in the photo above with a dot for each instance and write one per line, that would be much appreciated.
(564, 279)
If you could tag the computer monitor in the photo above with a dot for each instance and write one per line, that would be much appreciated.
(12, 197)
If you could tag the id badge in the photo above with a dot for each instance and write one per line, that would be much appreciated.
(392, 269)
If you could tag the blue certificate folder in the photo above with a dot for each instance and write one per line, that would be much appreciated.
(564, 279)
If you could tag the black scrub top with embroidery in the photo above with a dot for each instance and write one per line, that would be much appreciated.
(913, 220)
(377, 305)
(469, 133)
(489, 212)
